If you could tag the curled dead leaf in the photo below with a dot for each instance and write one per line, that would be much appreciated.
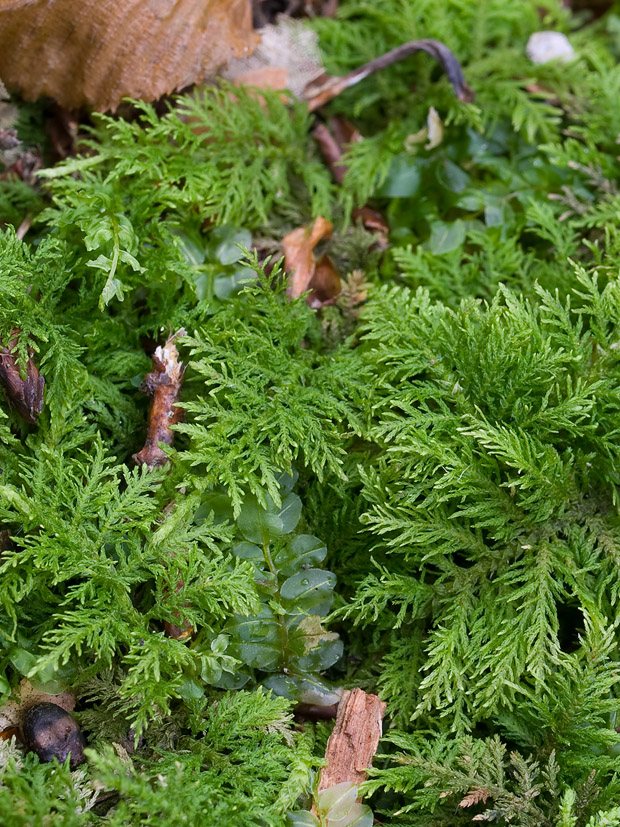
(474, 797)
(306, 274)
(298, 248)
(96, 52)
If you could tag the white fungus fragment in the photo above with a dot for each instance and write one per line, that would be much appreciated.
(545, 46)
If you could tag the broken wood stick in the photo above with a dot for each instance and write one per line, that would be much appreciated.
(354, 740)
(163, 384)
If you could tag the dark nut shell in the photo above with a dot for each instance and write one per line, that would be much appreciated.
(52, 733)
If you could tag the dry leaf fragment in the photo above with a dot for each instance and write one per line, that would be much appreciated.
(299, 259)
(26, 394)
(96, 52)
(474, 797)
(163, 384)
(320, 92)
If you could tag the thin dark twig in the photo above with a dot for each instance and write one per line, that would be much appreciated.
(318, 93)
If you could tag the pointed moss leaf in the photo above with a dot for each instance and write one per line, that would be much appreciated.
(303, 551)
(452, 177)
(47, 678)
(226, 285)
(321, 657)
(309, 590)
(258, 640)
(446, 236)
(494, 215)
(259, 525)
(227, 250)
(190, 690)
(314, 690)
(285, 686)
(472, 201)
(12, 496)
(210, 670)
(249, 551)
(290, 513)
(403, 179)
(230, 680)
(191, 244)
(287, 482)
(308, 689)
(218, 505)
(360, 815)
(302, 818)
(113, 286)
(336, 802)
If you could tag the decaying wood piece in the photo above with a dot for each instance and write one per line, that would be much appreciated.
(96, 52)
(163, 384)
(25, 393)
(320, 92)
(354, 739)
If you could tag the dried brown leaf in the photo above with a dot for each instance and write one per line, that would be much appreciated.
(475, 797)
(299, 259)
(325, 283)
(96, 52)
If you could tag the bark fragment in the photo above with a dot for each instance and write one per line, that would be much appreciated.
(25, 393)
(163, 384)
(354, 739)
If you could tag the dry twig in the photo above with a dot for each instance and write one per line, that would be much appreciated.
(320, 92)
(163, 384)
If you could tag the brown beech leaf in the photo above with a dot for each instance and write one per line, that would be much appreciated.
(299, 259)
(321, 91)
(163, 385)
(96, 52)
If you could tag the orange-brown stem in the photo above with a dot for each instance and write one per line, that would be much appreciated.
(163, 384)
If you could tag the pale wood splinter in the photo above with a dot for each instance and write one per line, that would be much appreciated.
(354, 740)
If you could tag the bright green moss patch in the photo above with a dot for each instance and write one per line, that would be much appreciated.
(414, 490)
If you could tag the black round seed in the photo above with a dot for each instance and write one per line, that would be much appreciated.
(52, 733)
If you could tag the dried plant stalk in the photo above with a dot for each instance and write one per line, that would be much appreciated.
(163, 384)
(320, 92)
(354, 739)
